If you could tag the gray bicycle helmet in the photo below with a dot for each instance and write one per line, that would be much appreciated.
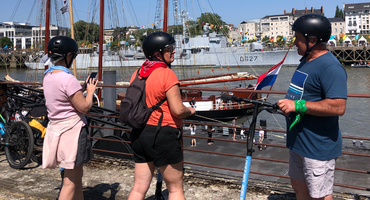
(156, 42)
(60, 46)
(313, 25)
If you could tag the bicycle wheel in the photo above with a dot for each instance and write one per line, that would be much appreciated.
(19, 146)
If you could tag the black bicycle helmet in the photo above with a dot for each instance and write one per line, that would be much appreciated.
(313, 25)
(60, 46)
(156, 42)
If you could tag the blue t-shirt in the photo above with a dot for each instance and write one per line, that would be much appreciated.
(317, 137)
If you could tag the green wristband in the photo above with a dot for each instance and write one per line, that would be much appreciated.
(300, 106)
(300, 109)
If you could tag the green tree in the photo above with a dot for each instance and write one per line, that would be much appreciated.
(5, 41)
(196, 28)
(338, 12)
(86, 31)
(119, 33)
(175, 30)
(266, 39)
(280, 40)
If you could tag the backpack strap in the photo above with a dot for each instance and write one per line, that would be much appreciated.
(155, 107)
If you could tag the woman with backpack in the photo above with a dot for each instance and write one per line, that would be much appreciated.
(66, 143)
(152, 148)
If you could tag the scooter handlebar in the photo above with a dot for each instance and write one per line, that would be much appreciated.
(226, 97)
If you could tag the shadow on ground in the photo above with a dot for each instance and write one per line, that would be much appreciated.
(97, 192)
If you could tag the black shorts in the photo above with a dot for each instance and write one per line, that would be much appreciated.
(84, 150)
(163, 150)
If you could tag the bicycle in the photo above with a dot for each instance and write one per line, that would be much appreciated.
(18, 139)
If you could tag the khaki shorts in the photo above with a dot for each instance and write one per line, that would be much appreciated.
(318, 174)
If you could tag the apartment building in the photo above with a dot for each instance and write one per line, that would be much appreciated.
(38, 34)
(250, 29)
(272, 26)
(337, 26)
(356, 18)
(19, 33)
(25, 36)
(108, 35)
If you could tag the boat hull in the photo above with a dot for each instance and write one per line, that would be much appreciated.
(360, 66)
(221, 58)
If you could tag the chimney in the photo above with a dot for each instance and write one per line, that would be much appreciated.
(293, 11)
(284, 12)
(311, 9)
(322, 9)
(305, 10)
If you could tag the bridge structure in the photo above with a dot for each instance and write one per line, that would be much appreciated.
(17, 59)
(352, 54)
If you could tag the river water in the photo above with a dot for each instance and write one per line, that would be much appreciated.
(353, 123)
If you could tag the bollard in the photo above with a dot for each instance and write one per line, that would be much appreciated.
(110, 94)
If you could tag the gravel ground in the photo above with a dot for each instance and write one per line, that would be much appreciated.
(113, 179)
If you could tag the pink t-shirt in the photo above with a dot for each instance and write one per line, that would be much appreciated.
(58, 87)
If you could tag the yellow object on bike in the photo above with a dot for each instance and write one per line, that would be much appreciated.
(34, 123)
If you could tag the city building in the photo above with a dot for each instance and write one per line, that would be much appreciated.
(249, 30)
(273, 26)
(19, 33)
(38, 35)
(108, 35)
(356, 18)
(337, 26)
(25, 36)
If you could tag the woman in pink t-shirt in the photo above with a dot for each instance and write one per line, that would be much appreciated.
(66, 142)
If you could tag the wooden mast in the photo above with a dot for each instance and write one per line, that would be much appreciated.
(100, 66)
(47, 28)
(165, 16)
(72, 34)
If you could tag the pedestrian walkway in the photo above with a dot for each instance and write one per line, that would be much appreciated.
(110, 179)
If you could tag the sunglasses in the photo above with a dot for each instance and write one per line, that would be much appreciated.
(170, 48)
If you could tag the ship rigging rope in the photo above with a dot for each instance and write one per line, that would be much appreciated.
(132, 11)
(33, 6)
(15, 10)
(211, 119)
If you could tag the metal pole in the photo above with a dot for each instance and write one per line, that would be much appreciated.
(47, 28)
(72, 34)
(165, 16)
(101, 45)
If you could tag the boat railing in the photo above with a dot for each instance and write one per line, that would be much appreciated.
(352, 171)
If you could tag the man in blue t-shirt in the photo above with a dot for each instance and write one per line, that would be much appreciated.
(315, 99)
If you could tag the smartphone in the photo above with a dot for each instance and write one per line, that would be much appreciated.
(92, 75)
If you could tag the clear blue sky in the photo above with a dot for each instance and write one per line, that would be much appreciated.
(142, 12)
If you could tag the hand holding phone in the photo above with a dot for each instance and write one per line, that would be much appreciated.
(92, 75)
